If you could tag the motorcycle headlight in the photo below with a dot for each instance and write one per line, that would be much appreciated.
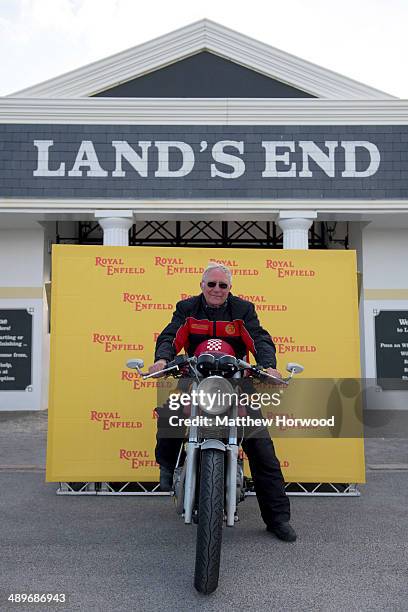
(215, 395)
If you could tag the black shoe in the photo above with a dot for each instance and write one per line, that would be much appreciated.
(166, 479)
(283, 531)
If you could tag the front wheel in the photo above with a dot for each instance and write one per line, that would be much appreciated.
(210, 519)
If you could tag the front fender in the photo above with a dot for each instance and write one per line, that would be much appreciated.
(215, 444)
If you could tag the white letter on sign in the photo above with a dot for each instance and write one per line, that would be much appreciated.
(272, 157)
(87, 157)
(43, 156)
(350, 158)
(187, 154)
(139, 163)
(228, 159)
(322, 159)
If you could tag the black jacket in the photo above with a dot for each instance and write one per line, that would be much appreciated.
(236, 322)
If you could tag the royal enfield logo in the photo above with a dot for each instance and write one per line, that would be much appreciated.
(143, 301)
(286, 268)
(287, 344)
(244, 272)
(175, 265)
(137, 458)
(261, 304)
(138, 382)
(113, 342)
(116, 265)
(229, 263)
(235, 269)
(112, 420)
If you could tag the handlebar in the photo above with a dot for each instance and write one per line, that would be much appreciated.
(180, 361)
(260, 373)
(177, 362)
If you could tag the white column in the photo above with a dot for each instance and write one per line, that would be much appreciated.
(295, 226)
(116, 225)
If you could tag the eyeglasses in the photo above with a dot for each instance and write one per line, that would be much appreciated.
(212, 284)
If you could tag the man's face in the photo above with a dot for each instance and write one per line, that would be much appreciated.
(215, 296)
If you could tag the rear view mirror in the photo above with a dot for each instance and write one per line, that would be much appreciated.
(294, 368)
(136, 364)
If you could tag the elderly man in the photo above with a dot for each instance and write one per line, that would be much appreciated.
(216, 313)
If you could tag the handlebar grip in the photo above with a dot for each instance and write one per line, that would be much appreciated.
(276, 379)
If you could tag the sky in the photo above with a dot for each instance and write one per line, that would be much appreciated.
(363, 39)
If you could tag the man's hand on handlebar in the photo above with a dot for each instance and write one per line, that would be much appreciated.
(277, 374)
(157, 366)
(273, 372)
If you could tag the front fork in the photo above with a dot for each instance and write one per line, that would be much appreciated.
(231, 484)
(191, 463)
(192, 451)
(193, 448)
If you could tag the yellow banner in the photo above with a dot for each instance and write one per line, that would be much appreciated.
(110, 303)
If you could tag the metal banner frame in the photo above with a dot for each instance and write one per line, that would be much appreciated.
(295, 489)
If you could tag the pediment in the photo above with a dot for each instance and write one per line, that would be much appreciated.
(204, 75)
(179, 65)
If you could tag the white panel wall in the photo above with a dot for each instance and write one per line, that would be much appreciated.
(385, 258)
(385, 267)
(21, 257)
(21, 286)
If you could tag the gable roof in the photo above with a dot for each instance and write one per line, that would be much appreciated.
(203, 75)
(203, 35)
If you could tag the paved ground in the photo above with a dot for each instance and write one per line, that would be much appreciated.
(136, 554)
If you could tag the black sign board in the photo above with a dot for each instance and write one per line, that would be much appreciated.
(16, 333)
(391, 344)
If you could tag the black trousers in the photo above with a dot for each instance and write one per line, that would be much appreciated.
(265, 468)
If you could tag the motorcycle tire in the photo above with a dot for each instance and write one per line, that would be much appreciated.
(210, 519)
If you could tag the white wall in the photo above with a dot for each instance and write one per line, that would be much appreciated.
(21, 287)
(385, 284)
(385, 258)
(21, 257)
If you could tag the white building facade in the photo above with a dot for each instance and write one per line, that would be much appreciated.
(206, 127)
